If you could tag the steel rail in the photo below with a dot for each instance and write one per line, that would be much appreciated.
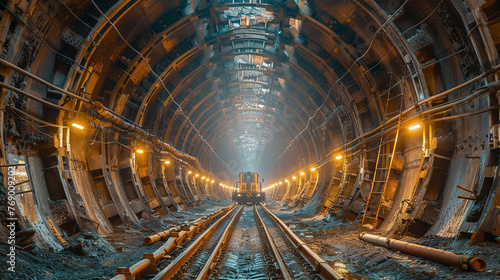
(320, 265)
(225, 238)
(282, 267)
(174, 267)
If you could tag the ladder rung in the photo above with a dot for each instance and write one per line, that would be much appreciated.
(370, 217)
(388, 141)
(393, 112)
(396, 96)
(383, 168)
(379, 181)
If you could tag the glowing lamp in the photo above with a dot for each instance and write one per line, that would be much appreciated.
(77, 126)
(415, 126)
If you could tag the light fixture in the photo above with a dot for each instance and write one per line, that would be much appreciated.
(167, 162)
(139, 151)
(190, 172)
(197, 175)
(295, 178)
(79, 126)
(313, 169)
(208, 179)
(415, 126)
(338, 157)
(203, 178)
(281, 183)
(286, 181)
(213, 181)
(302, 173)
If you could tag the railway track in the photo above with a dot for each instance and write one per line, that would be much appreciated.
(245, 243)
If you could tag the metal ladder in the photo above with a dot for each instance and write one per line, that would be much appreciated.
(210, 190)
(385, 157)
(342, 198)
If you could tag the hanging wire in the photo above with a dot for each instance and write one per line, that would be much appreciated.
(40, 39)
(181, 111)
(95, 44)
(356, 61)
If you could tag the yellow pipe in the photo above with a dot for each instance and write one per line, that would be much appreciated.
(445, 257)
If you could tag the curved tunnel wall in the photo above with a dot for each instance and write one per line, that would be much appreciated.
(291, 87)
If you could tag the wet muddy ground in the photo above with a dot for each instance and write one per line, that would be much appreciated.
(100, 255)
(337, 242)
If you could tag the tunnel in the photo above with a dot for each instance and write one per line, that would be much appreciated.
(121, 119)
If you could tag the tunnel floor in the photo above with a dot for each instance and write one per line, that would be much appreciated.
(96, 257)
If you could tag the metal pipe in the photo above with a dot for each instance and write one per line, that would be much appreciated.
(38, 99)
(148, 240)
(469, 82)
(42, 81)
(13, 165)
(493, 86)
(128, 126)
(444, 257)
(466, 197)
(467, 190)
(462, 115)
(132, 127)
(102, 110)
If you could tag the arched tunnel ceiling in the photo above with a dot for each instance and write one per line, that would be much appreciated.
(261, 80)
